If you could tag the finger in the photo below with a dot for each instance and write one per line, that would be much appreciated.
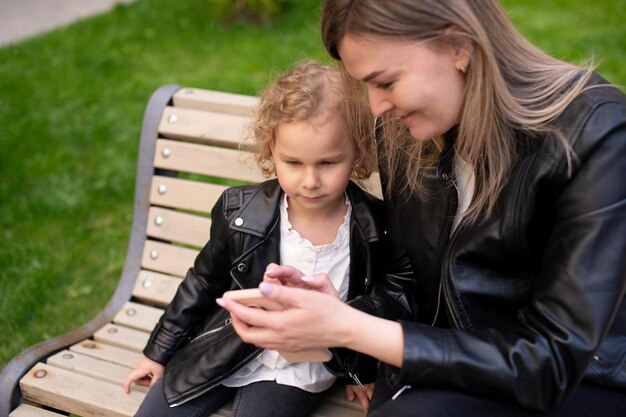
(254, 335)
(349, 393)
(288, 296)
(154, 379)
(135, 375)
(363, 400)
(254, 329)
(271, 280)
(285, 273)
(267, 278)
(271, 266)
(251, 316)
(126, 385)
(320, 282)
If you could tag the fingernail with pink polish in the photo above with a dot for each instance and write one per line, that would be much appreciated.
(307, 278)
(220, 302)
(265, 288)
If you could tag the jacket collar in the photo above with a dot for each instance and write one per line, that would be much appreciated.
(266, 197)
(258, 212)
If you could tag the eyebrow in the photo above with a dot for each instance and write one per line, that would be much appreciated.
(325, 157)
(372, 75)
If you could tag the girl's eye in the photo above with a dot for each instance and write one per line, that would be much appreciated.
(327, 163)
(293, 162)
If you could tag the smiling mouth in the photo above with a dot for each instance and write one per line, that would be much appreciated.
(406, 117)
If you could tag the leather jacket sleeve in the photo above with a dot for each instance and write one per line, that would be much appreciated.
(577, 292)
(196, 295)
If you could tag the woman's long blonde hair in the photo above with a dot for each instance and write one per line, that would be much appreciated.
(307, 91)
(512, 87)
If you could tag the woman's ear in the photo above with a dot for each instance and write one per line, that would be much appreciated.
(461, 61)
(460, 46)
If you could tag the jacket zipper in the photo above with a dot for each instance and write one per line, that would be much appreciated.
(224, 377)
(227, 323)
(235, 279)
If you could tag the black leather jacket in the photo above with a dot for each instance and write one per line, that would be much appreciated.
(194, 337)
(532, 300)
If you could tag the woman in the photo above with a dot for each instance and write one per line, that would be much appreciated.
(503, 169)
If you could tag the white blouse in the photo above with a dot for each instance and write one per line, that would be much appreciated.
(465, 182)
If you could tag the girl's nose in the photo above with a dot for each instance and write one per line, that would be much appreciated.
(311, 179)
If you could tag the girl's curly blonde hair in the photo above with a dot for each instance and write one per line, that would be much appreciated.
(309, 90)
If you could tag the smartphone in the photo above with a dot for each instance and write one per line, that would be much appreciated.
(254, 298)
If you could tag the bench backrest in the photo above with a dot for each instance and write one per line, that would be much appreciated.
(189, 153)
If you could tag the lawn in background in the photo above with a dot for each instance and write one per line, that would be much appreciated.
(71, 104)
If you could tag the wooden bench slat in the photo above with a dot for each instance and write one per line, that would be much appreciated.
(217, 101)
(27, 410)
(206, 160)
(184, 194)
(107, 352)
(78, 394)
(155, 288)
(92, 367)
(226, 130)
(122, 336)
(170, 259)
(175, 226)
(138, 316)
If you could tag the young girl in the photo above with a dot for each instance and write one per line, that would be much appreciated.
(313, 134)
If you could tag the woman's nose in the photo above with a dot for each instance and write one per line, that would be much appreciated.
(379, 103)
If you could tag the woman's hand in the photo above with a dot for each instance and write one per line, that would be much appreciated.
(309, 320)
(146, 373)
(364, 395)
(313, 319)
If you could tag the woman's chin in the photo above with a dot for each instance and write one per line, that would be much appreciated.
(421, 134)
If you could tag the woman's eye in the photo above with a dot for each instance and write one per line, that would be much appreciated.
(384, 86)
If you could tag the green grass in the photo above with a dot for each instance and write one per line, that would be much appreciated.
(71, 104)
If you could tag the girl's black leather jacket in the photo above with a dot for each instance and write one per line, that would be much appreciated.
(194, 338)
(532, 299)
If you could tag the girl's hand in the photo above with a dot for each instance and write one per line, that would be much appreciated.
(364, 395)
(146, 373)
(292, 277)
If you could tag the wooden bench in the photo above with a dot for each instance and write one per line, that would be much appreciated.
(190, 148)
